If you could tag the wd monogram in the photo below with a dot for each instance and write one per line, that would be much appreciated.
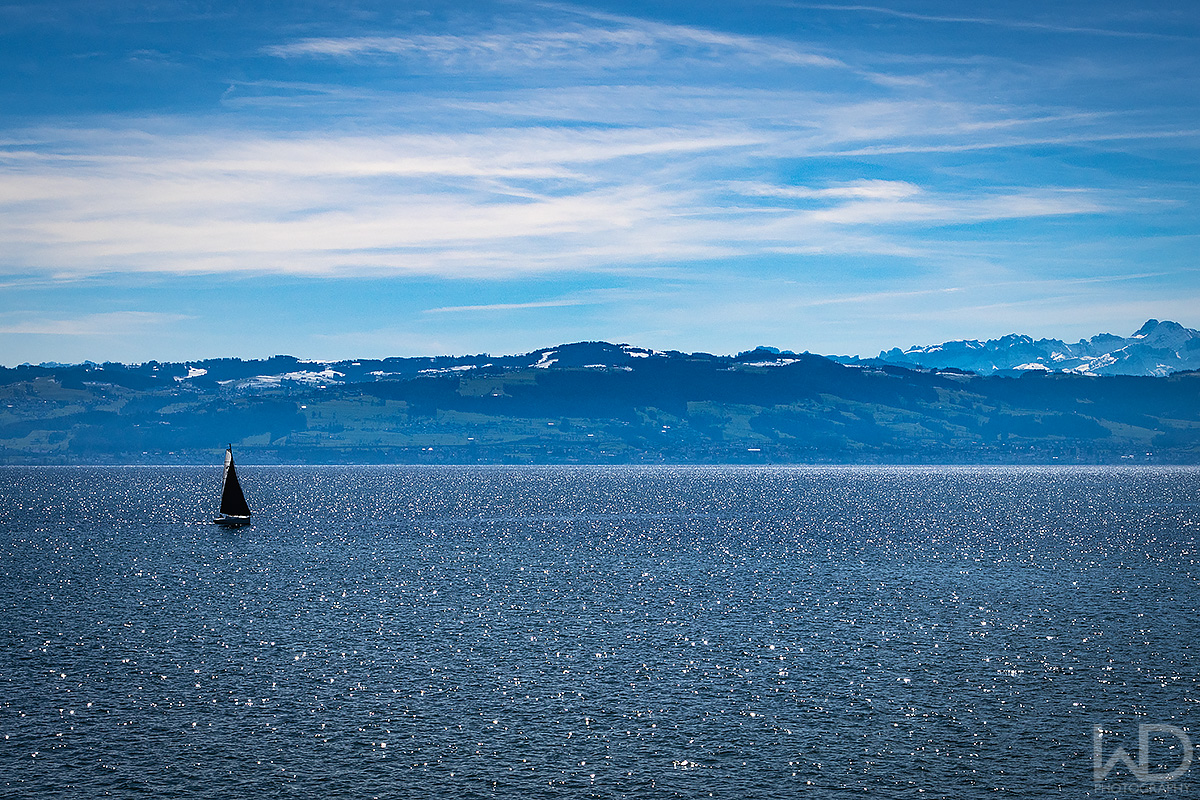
(1140, 768)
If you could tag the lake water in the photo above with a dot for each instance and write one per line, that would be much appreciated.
(598, 632)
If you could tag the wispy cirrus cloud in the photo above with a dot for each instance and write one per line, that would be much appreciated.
(627, 43)
(866, 189)
(559, 303)
(112, 323)
(1001, 22)
(503, 203)
(599, 181)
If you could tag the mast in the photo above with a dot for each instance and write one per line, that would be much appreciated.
(233, 501)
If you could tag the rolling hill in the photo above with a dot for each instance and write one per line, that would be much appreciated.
(590, 402)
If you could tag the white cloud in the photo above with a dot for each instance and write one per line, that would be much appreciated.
(628, 42)
(632, 176)
(982, 207)
(499, 202)
(998, 22)
(864, 189)
(113, 323)
(558, 303)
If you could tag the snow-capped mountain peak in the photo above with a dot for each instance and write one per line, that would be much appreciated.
(1157, 348)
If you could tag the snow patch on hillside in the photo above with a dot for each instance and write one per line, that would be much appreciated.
(193, 372)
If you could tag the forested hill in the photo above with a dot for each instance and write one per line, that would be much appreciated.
(589, 402)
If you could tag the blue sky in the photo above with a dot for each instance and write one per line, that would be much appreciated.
(181, 180)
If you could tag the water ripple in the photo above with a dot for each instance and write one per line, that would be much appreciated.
(592, 632)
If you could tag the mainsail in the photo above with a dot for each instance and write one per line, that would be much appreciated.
(233, 502)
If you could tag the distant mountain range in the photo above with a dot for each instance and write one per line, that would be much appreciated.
(601, 403)
(1157, 348)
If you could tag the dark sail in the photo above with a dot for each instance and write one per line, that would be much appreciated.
(233, 502)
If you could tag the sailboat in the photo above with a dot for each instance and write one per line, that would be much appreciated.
(234, 510)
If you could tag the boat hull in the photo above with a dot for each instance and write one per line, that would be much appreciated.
(231, 522)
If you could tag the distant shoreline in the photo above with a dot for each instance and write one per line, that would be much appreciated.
(597, 404)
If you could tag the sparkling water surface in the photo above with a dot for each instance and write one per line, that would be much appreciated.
(594, 632)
